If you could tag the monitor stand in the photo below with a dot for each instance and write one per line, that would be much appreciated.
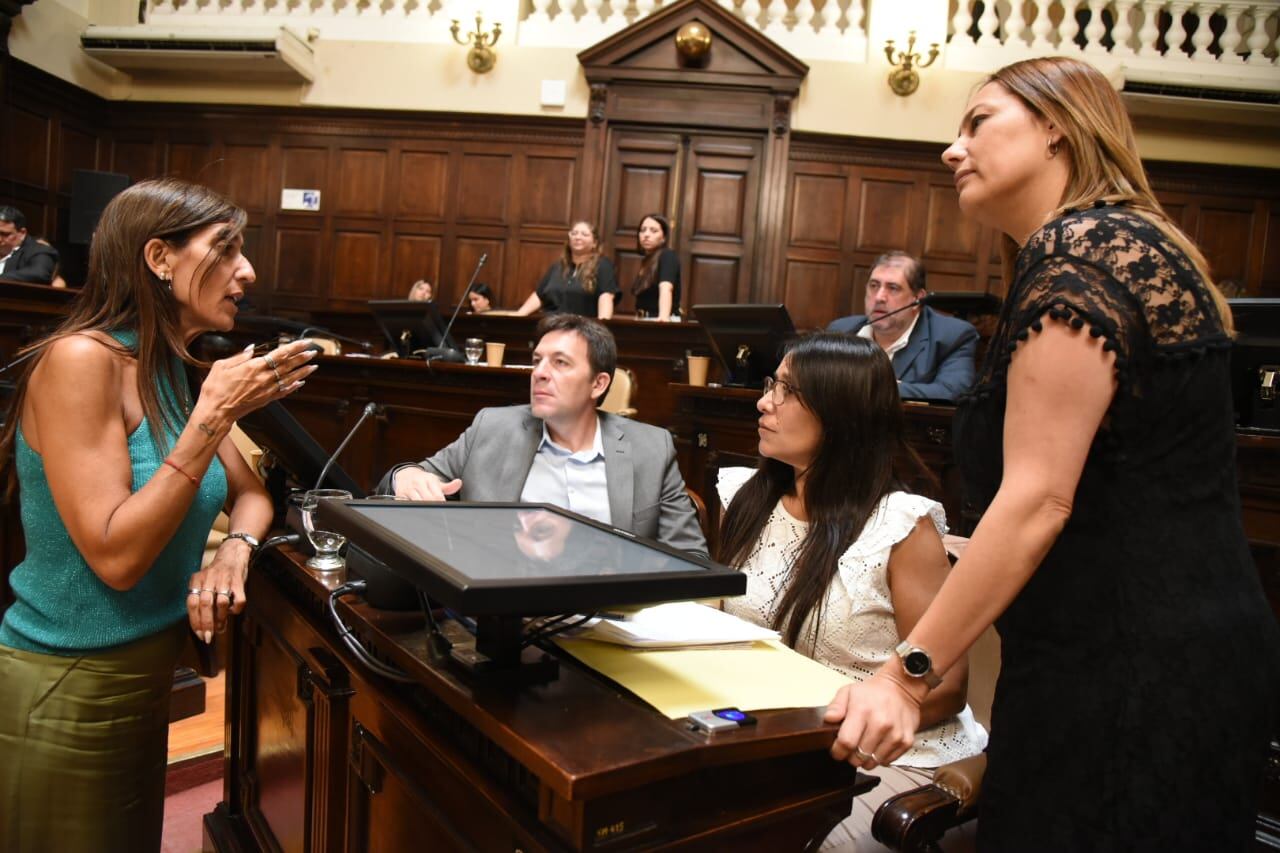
(499, 654)
(443, 354)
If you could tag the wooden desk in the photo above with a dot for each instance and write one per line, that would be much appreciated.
(323, 756)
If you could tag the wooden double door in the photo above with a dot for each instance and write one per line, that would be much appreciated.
(708, 185)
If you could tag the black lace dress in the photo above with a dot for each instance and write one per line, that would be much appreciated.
(1141, 661)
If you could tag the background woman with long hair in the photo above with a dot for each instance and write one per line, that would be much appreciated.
(1140, 661)
(121, 471)
(657, 284)
(582, 281)
(839, 557)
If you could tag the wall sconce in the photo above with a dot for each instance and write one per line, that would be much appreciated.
(904, 79)
(480, 58)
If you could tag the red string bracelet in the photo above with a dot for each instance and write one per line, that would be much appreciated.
(175, 467)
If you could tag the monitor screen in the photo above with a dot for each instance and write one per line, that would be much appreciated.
(274, 429)
(410, 326)
(748, 339)
(523, 559)
(1257, 316)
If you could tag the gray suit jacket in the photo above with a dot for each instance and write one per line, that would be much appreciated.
(646, 491)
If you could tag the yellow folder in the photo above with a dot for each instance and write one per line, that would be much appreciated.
(760, 676)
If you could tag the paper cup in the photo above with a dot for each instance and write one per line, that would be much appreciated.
(698, 365)
(493, 354)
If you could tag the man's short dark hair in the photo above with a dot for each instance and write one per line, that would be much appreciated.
(912, 267)
(12, 214)
(602, 349)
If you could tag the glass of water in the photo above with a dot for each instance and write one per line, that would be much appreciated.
(326, 543)
(474, 349)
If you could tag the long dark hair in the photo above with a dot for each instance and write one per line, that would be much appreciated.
(587, 270)
(648, 274)
(121, 292)
(849, 385)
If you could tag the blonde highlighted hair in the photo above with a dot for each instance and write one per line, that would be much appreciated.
(1098, 140)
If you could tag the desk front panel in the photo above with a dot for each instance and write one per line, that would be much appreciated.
(324, 756)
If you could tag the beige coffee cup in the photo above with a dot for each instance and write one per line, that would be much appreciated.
(698, 365)
(493, 353)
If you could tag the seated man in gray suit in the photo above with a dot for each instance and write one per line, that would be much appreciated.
(560, 450)
(932, 353)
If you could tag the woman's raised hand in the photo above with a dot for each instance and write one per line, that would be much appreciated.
(244, 382)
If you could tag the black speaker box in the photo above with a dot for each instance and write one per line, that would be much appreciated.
(90, 192)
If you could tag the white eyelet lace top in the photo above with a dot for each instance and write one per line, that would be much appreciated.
(858, 631)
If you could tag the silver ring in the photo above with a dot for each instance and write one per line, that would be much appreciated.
(279, 386)
(194, 591)
(271, 362)
(225, 592)
(863, 756)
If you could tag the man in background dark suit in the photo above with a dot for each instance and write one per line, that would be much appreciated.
(932, 353)
(23, 258)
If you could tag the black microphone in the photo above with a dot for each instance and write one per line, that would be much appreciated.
(325, 333)
(920, 300)
(369, 409)
(444, 352)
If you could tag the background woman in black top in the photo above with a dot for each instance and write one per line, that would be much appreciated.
(657, 285)
(582, 282)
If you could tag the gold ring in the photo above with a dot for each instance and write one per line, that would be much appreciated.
(863, 756)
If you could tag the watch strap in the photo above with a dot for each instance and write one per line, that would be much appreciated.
(248, 538)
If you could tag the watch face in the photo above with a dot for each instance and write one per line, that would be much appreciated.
(916, 663)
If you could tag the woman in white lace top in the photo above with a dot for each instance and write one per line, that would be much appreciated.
(838, 558)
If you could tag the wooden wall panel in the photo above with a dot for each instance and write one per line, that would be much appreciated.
(248, 180)
(135, 158)
(193, 162)
(297, 261)
(535, 258)
(948, 232)
(721, 206)
(77, 149)
(547, 189)
(422, 184)
(467, 253)
(361, 180)
(814, 293)
(711, 280)
(644, 189)
(357, 264)
(307, 169)
(28, 163)
(884, 214)
(1224, 236)
(413, 256)
(817, 210)
(484, 189)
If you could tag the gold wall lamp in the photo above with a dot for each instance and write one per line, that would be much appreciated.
(904, 79)
(481, 57)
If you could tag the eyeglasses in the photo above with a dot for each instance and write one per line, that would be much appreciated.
(778, 390)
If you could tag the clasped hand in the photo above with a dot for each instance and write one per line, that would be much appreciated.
(244, 382)
(878, 721)
(217, 590)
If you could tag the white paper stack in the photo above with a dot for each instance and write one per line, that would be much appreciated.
(681, 624)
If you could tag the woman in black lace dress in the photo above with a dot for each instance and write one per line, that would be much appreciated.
(1140, 660)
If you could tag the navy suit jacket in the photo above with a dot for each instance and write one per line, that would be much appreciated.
(31, 261)
(936, 363)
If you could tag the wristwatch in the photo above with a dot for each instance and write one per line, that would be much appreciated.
(917, 663)
(252, 541)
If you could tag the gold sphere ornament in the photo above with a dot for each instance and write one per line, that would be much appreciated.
(693, 41)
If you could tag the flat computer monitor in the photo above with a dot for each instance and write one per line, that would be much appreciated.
(748, 339)
(501, 562)
(300, 456)
(410, 326)
(1255, 364)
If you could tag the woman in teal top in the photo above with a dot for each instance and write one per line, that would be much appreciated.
(121, 472)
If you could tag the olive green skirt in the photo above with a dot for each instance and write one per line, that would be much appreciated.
(83, 745)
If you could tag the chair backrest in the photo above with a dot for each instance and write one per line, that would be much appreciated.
(617, 400)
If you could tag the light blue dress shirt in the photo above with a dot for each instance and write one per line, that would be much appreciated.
(574, 481)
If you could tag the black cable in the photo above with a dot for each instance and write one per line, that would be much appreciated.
(542, 636)
(349, 639)
(438, 645)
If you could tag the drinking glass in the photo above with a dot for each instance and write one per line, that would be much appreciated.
(326, 543)
(474, 349)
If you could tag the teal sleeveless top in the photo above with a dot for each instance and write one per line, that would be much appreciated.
(61, 606)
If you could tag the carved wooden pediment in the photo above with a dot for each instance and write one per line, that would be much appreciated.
(740, 56)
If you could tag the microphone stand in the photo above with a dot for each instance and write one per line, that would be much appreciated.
(325, 333)
(369, 410)
(444, 352)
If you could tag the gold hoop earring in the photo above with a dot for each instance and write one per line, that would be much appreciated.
(1053, 148)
